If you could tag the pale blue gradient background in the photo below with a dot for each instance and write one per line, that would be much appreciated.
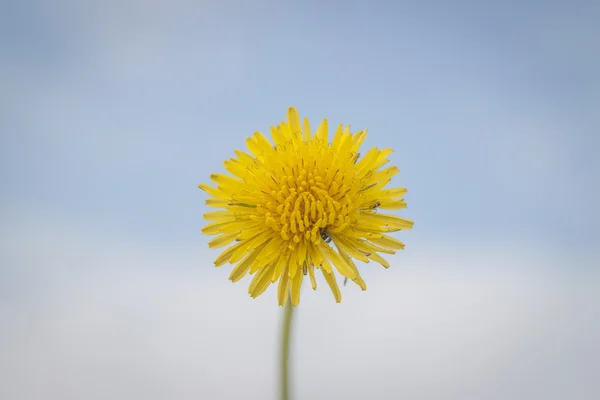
(112, 112)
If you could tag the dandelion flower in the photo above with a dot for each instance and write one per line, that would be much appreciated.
(301, 203)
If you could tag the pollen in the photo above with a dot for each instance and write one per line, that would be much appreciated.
(302, 203)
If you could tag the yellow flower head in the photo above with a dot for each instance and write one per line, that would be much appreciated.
(302, 204)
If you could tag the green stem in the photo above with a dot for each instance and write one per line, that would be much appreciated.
(285, 350)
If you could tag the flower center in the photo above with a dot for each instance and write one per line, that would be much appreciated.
(311, 202)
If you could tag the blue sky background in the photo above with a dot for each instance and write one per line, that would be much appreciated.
(112, 112)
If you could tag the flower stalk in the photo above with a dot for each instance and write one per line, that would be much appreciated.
(285, 350)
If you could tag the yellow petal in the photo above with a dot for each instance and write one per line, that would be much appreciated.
(253, 146)
(260, 282)
(294, 268)
(392, 204)
(341, 265)
(236, 168)
(225, 181)
(222, 240)
(382, 195)
(228, 226)
(259, 239)
(361, 233)
(306, 130)
(217, 203)
(249, 233)
(326, 266)
(294, 123)
(337, 137)
(213, 191)
(360, 282)
(378, 259)
(295, 289)
(302, 252)
(385, 220)
(243, 267)
(278, 136)
(368, 247)
(345, 146)
(331, 281)
(382, 158)
(357, 279)
(321, 134)
(268, 255)
(263, 143)
(388, 242)
(383, 175)
(357, 140)
(282, 290)
(280, 265)
(344, 245)
(364, 164)
(315, 254)
(219, 216)
(226, 255)
(311, 273)
(245, 158)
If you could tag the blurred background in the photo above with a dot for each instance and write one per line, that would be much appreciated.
(112, 112)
